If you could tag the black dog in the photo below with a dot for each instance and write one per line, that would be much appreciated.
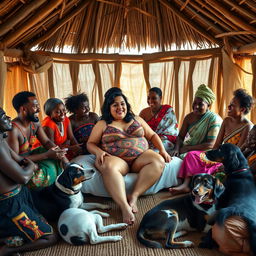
(180, 214)
(239, 197)
(64, 193)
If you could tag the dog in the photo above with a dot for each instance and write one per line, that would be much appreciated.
(239, 197)
(172, 218)
(64, 193)
(78, 227)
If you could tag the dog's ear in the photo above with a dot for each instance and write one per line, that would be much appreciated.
(218, 188)
(192, 182)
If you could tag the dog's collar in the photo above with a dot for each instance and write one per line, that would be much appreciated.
(65, 190)
(240, 170)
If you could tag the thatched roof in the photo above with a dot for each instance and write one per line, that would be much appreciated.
(94, 25)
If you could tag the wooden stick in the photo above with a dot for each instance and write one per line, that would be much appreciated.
(248, 48)
(196, 13)
(237, 21)
(19, 16)
(43, 12)
(200, 30)
(232, 33)
(59, 24)
(240, 9)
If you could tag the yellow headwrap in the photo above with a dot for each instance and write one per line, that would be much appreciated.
(205, 93)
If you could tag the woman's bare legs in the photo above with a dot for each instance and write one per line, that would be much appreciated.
(113, 169)
(149, 166)
(183, 188)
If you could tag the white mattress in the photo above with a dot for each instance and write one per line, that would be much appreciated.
(96, 187)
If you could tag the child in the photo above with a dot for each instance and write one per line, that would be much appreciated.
(82, 120)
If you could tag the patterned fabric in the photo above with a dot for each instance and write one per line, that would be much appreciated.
(10, 193)
(28, 143)
(251, 159)
(47, 172)
(82, 134)
(48, 169)
(204, 129)
(128, 144)
(164, 123)
(196, 161)
(205, 93)
(59, 138)
(19, 217)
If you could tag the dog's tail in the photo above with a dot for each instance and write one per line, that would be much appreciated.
(248, 216)
(146, 241)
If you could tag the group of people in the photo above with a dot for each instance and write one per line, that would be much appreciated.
(34, 154)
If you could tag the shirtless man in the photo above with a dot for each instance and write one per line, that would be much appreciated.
(26, 129)
(19, 220)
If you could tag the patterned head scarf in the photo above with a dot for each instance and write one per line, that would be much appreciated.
(205, 93)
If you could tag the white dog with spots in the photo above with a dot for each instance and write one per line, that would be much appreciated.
(78, 226)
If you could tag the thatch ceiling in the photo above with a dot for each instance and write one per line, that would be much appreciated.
(94, 25)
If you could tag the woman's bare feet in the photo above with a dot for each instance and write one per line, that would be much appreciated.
(128, 216)
(132, 201)
(181, 189)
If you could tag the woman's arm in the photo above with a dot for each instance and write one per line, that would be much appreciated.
(221, 133)
(94, 141)
(150, 135)
(180, 138)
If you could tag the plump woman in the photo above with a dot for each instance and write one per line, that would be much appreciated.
(120, 142)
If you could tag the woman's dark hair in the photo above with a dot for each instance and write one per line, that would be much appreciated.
(73, 102)
(245, 100)
(109, 100)
(21, 98)
(157, 90)
(112, 90)
(51, 104)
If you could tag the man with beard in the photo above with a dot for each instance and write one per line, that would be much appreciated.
(26, 130)
(21, 227)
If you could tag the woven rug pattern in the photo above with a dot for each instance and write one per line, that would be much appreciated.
(129, 245)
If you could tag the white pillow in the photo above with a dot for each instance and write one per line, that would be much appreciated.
(96, 187)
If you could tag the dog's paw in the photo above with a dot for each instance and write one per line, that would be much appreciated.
(123, 225)
(104, 215)
(188, 244)
(106, 207)
(117, 238)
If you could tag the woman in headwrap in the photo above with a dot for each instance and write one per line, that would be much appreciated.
(200, 127)
(234, 129)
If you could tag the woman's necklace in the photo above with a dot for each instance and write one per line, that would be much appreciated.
(155, 113)
(61, 128)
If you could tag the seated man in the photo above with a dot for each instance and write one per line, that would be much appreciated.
(21, 227)
(26, 129)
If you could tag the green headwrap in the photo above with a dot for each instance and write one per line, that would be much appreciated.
(205, 93)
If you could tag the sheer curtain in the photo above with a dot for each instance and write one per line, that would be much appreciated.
(178, 75)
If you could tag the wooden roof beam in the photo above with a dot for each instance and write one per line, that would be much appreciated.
(248, 48)
(196, 13)
(190, 22)
(233, 33)
(42, 13)
(19, 16)
(61, 23)
(241, 10)
(237, 21)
